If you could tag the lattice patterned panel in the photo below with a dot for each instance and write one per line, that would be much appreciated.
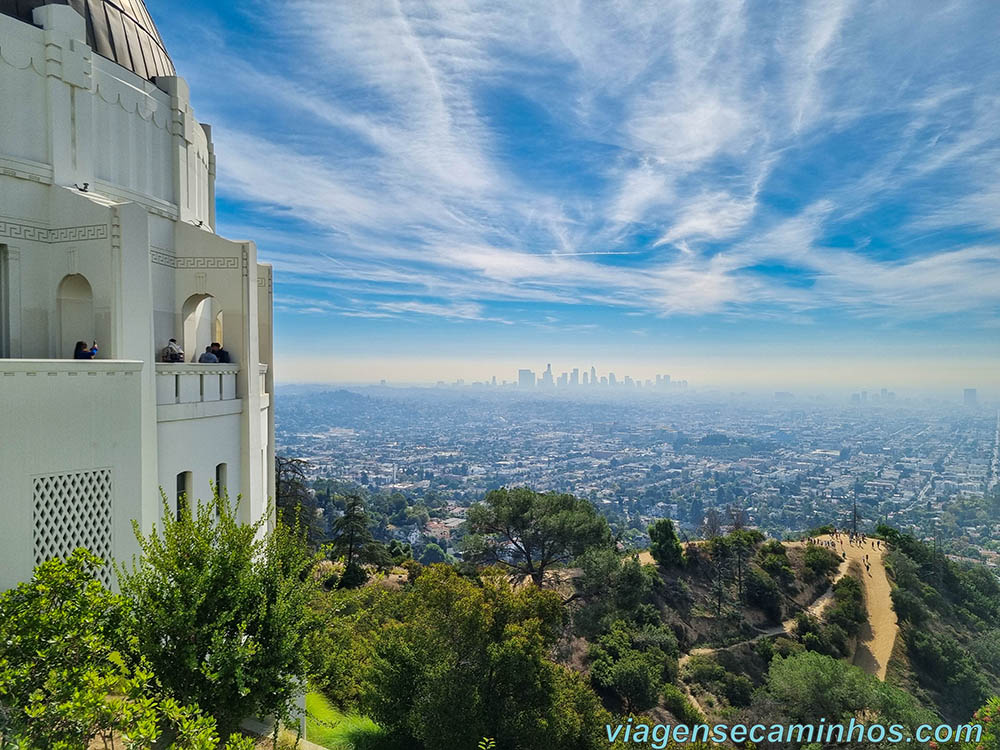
(73, 510)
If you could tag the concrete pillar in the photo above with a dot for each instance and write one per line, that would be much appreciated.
(132, 334)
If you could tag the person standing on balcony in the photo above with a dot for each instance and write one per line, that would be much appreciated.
(207, 358)
(221, 354)
(82, 352)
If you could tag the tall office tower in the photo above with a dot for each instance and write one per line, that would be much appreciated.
(604, 379)
(107, 233)
(970, 397)
(628, 381)
(666, 380)
(525, 379)
(884, 394)
(659, 380)
(593, 375)
(574, 377)
(547, 380)
(586, 377)
(611, 379)
(493, 380)
(864, 397)
(562, 380)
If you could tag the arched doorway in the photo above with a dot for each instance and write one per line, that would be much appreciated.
(202, 316)
(75, 303)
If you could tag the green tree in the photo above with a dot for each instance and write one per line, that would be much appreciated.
(763, 592)
(634, 663)
(54, 632)
(459, 660)
(353, 541)
(529, 532)
(294, 503)
(217, 607)
(819, 562)
(809, 686)
(665, 547)
(433, 554)
(63, 680)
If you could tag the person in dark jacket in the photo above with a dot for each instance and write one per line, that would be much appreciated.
(220, 353)
(82, 352)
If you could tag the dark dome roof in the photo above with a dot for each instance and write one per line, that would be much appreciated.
(120, 30)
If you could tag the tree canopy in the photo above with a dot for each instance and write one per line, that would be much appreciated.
(218, 609)
(528, 532)
(665, 547)
(65, 676)
(460, 660)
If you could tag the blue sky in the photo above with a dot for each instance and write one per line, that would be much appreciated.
(758, 193)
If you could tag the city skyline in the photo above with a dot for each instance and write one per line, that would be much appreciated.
(813, 199)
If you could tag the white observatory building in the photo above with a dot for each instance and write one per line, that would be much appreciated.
(107, 234)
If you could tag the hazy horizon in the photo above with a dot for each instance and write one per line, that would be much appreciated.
(947, 379)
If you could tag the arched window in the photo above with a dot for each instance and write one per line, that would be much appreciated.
(202, 320)
(75, 303)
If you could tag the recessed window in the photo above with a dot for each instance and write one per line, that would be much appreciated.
(183, 492)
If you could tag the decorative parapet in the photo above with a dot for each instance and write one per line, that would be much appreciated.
(178, 383)
(68, 367)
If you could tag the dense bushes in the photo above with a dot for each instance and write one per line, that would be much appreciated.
(819, 562)
(773, 560)
(841, 620)
(64, 681)
(679, 705)
(763, 592)
(455, 660)
(947, 614)
(220, 613)
(737, 689)
(634, 663)
(808, 687)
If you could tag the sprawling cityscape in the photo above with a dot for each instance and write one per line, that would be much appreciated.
(783, 464)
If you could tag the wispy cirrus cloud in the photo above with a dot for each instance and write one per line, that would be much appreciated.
(688, 158)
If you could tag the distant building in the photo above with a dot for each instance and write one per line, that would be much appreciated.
(525, 379)
(547, 380)
(574, 377)
(971, 398)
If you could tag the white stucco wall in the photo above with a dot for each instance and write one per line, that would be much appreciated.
(62, 418)
(142, 236)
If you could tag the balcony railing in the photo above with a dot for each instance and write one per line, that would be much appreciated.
(194, 383)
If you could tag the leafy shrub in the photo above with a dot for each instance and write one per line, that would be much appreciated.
(220, 613)
(737, 689)
(665, 547)
(819, 562)
(763, 592)
(63, 681)
(909, 607)
(679, 705)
